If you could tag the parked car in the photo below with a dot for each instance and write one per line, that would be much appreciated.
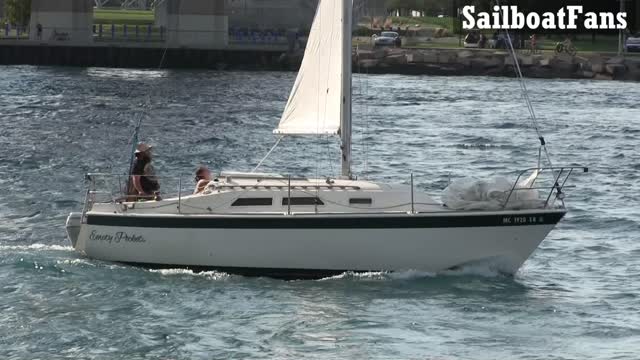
(472, 40)
(387, 38)
(633, 43)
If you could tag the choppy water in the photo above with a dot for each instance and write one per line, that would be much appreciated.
(577, 298)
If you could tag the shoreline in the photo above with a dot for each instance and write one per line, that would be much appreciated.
(481, 62)
(403, 61)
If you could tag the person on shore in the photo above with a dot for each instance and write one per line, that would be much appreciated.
(483, 41)
(143, 176)
(533, 40)
(203, 178)
(39, 31)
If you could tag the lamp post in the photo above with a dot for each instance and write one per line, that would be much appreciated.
(621, 34)
(457, 27)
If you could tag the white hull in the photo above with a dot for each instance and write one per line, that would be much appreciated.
(419, 242)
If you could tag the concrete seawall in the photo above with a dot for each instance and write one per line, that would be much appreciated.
(140, 57)
(496, 63)
(449, 62)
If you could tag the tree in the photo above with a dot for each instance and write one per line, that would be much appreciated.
(429, 7)
(17, 12)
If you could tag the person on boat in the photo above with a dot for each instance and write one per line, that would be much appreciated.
(203, 178)
(143, 176)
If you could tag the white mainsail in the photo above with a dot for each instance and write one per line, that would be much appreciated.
(314, 106)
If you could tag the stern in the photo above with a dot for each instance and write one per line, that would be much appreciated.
(74, 223)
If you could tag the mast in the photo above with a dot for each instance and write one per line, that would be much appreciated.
(345, 111)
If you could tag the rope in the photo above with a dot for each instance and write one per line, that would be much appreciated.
(269, 153)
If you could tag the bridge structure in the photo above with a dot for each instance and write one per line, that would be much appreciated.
(194, 23)
(204, 24)
(67, 20)
(288, 14)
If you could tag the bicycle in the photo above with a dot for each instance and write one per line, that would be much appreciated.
(566, 46)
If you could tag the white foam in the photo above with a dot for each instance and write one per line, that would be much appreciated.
(382, 275)
(356, 275)
(36, 247)
(485, 269)
(213, 275)
(79, 261)
(411, 275)
(488, 270)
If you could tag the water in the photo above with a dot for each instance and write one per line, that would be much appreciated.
(576, 298)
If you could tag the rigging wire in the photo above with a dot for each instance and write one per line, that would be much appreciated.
(534, 119)
(525, 94)
(363, 85)
(268, 153)
(136, 132)
(366, 124)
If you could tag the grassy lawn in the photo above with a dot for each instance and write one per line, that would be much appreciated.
(585, 43)
(428, 22)
(119, 16)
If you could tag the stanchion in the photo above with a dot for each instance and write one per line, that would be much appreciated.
(180, 195)
(289, 197)
(413, 209)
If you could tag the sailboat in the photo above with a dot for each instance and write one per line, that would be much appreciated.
(294, 227)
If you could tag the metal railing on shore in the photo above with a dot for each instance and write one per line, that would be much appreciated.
(14, 32)
(126, 32)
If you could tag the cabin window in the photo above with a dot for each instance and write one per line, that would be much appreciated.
(360, 201)
(253, 202)
(302, 201)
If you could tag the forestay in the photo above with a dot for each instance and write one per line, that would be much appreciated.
(314, 106)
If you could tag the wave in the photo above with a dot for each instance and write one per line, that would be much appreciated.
(484, 146)
(628, 130)
(511, 125)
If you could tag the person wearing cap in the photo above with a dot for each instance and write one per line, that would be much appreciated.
(143, 175)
